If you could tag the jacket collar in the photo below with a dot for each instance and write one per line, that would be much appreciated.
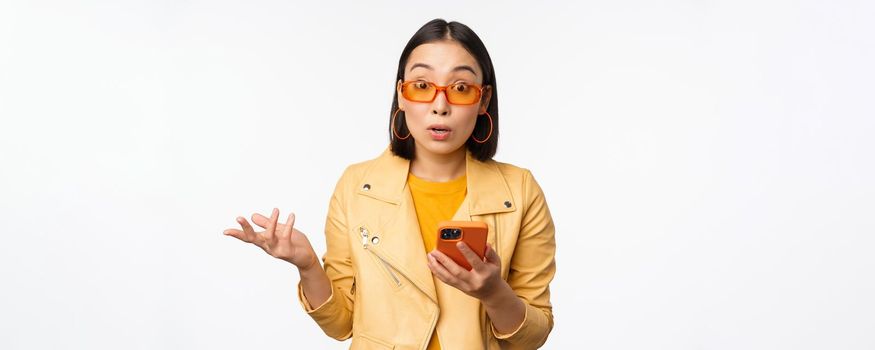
(488, 191)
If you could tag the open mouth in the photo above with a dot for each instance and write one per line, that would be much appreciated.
(440, 131)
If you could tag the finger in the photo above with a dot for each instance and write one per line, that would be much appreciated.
(437, 269)
(260, 220)
(271, 225)
(475, 261)
(287, 229)
(449, 264)
(248, 233)
(235, 233)
(492, 256)
(441, 272)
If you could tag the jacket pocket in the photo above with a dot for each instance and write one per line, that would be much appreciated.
(361, 341)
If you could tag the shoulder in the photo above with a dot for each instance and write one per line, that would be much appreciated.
(356, 169)
(354, 172)
(514, 173)
(512, 170)
(520, 180)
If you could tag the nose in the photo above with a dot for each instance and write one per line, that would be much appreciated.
(440, 106)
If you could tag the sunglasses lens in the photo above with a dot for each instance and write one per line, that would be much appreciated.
(459, 94)
(462, 94)
(418, 91)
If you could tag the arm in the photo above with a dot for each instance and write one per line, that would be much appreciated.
(326, 294)
(315, 283)
(505, 309)
(532, 267)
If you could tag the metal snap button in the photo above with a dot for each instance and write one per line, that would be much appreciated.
(375, 240)
(366, 187)
(507, 204)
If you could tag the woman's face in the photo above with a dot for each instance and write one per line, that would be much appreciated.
(442, 62)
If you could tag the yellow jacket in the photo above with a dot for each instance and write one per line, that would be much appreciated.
(383, 294)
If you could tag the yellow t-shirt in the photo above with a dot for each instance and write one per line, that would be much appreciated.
(435, 202)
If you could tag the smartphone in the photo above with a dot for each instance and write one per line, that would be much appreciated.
(471, 232)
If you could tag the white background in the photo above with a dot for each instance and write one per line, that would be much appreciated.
(709, 164)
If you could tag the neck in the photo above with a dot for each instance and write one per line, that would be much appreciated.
(438, 167)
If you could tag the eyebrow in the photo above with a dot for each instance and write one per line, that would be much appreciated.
(458, 68)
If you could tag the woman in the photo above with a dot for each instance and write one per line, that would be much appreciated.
(382, 282)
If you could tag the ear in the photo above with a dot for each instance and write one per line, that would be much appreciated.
(484, 100)
(400, 99)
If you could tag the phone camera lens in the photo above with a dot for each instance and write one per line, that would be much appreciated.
(457, 233)
(446, 233)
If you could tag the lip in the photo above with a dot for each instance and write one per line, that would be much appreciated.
(436, 136)
(439, 126)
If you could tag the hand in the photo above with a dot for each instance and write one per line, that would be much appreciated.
(281, 241)
(482, 281)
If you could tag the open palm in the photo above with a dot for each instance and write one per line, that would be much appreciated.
(281, 241)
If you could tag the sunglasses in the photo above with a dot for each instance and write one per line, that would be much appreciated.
(426, 91)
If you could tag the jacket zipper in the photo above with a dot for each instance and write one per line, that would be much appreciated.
(389, 270)
(364, 233)
(386, 265)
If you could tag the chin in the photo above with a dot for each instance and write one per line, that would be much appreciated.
(440, 147)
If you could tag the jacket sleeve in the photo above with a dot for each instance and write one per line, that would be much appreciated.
(334, 316)
(532, 267)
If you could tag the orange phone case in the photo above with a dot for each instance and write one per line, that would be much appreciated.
(473, 233)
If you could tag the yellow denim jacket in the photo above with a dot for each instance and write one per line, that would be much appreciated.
(383, 294)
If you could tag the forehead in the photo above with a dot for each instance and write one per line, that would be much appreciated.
(443, 57)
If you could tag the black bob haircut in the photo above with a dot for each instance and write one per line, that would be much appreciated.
(436, 30)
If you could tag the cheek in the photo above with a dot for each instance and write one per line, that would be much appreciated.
(415, 118)
(470, 123)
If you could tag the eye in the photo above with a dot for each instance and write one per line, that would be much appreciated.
(420, 85)
(461, 87)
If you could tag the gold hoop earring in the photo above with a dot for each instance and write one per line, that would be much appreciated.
(393, 126)
(487, 136)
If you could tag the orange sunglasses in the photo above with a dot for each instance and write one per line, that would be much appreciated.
(426, 91)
